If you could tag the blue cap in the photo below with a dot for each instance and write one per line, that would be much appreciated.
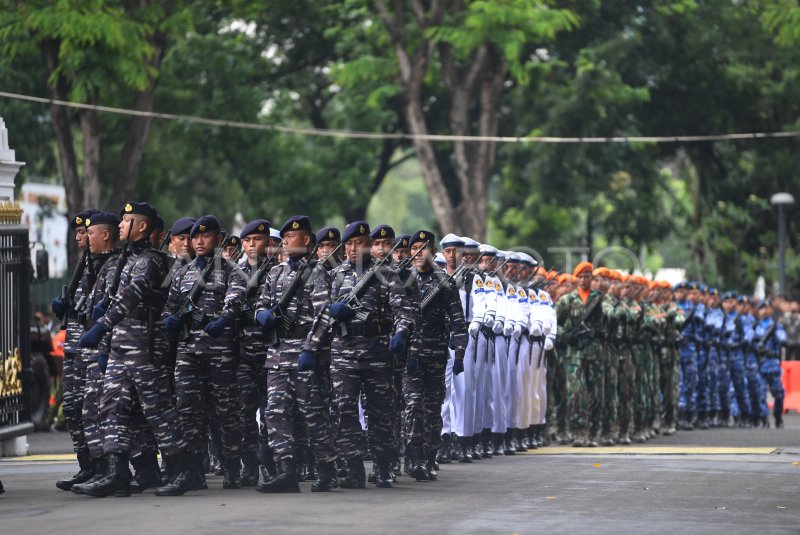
(730, 294)
(79, 219)
(404, 240)
(206, 223)
(158, 223)
(422, 235)
(140, 208)
(102, 218)
(382, 232)
(713, 291)
(355, 229)
(298, 222)
(257, 226)
(329, 234)
(182, 226)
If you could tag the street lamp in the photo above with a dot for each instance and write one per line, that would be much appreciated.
(782, 200)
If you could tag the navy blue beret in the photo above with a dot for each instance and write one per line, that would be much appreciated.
(139, 208)
(102, 218)
(382, 232)
(730, 294)
(329, 234)
(404, 239)
(298, 222)
(355, 230)
(231, 240)
(422, 235)
(79, 219)
(182, 226)
(158, 223)
(206, 223)
(257, 226)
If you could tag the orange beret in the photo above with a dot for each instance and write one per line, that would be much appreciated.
(641, 279)
(654, 284)
(540, 270)
(564, 277)
(602, 272)
(624, 277)
(616, 275)
(583, 267)
(552, 274)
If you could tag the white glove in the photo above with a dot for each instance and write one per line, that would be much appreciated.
(547, 329)
(488, 322)
(508, 329)
(536, 329)
(517, 332)
(497, 328)
(548, 344)
(474, 328)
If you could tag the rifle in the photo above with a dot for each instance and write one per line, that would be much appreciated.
(165, 241)
(358, 289)
(68, 291)
(112, 288)
(460, 270)
(494, 272)
(279, 311)
(91, 278)
(403, 265)
(581, 329)
(188, 306)
(761, 350)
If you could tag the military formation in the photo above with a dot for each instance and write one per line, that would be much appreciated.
(277, 356)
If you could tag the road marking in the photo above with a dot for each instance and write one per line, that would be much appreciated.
(650, 450)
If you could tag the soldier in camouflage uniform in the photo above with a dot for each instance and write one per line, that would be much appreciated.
(584, 359)
(74, 371)
(670, 371)
(205, 371)
(292, 307)
(363, 355)
(556, 372)
(602, 281)
(134, 366)
(244, 288)
(424, 383)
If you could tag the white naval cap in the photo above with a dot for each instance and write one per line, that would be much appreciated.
(275, 234)
(439, 259)
(528, 259)
(487, 250)
(451, 240)
(469, 243)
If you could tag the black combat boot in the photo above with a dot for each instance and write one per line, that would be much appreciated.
(418, 462)
(725, 418)
(356, 477)
(690, 417)
(702, 420)
(117, 480)
(250, 470)
(287, 480)
(233, 474)
(443, 457)
(508, 446)
(472, 448)
(100, 467)
(486, 444)
(373, 473)
(187, 474)
(383, 476)
(431, 470)
(85, 472)
(777, 412)
(713, 420)
(311, 464)
(497, 444)
(520, 443)
(464, 456)
(147, 474)
(326, 480)
(267, 462)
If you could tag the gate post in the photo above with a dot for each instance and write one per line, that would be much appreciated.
(9, 166)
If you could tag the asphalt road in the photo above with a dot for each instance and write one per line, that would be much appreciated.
(690, 487)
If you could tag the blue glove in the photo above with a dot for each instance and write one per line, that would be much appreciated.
(57, 305)
(173, 324)
(399, 343)
(451, 343)
(306, 361)
(102, 361)
(266, 319)
(92, 337)
(458, 366)
(341, 311)
(411, 365)
(99, 310)
(215, 328)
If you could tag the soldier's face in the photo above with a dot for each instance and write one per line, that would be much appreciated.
(325, 249)
(452, 256)
(295, 242)
(99, 235)
(764, 312)
(470, 257)
(181, 245)
(728, 305)
(204, 243)
(273, 246)
(381, 247)
(694, 296)
(156, 237)
(80, 236)
(424, 260)
(585, 281)
(487, 263)
(357, 249)
(680, 294)
(401, 254)
(254, 246)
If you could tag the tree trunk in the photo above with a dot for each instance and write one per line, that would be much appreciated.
(90, 130)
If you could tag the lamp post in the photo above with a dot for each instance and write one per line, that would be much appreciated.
(782, 201)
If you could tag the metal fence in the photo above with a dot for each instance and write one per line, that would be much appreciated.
(15, 282)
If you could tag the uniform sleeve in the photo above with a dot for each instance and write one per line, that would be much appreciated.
(320, 299)
(234, 294)
(511, 308)
(265, 299)
(562, 315)
(455, 315)
(489, 300)
(144, 275)
(780, 335)
(478, 299)
(174, 296)
(398, 302)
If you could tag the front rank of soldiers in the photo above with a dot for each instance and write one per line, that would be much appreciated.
(292, 355)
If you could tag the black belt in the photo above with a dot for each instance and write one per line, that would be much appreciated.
(377, 328)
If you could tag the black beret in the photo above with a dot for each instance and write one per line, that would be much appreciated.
(102, 218)
(206, 223)
(231, 240)
(257, 226)
(140, 208)
(329, 234)
(355, 229)
(158, 223)
(382, 232)
(79, 219)
(403, 239)
(422, 235)
(298, 222)
(183, 226)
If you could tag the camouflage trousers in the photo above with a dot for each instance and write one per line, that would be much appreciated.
(626, 380)
(688, 398)
(703, 385)
(739, 380)
(378, 388)
(757, 388)
(644, 376)
(73, 382)
(557, 390)
(668, 376)
(251, 379)
(424, 392)
(207, 382)
(398, 377)
(724, 384)
(584, 394)
(611, 391)
(136, 400)
(91, 409)
(304, 395)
